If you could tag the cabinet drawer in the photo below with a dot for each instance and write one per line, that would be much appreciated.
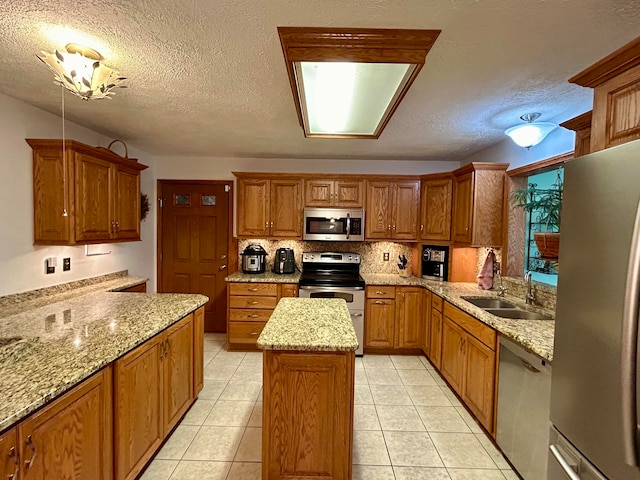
(381, 292)
(253, 302)
(476, 328)
(264, 289)
(249, 315)
(436, 302)
(245, 332)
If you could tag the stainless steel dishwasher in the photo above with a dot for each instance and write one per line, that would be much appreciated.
(524, 389)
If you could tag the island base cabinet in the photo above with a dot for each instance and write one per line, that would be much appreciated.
(72, 437)
(153, 390)
(307, 415)
(9, 461)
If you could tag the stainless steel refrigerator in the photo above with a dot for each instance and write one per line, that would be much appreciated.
(594, 389)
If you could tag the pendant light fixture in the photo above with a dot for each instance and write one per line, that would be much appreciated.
(79, 70)
(531, 133)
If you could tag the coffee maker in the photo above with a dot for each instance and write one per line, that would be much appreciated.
(435, 262)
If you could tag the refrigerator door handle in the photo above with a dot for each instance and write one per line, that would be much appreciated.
(629, 350)
(571, 473)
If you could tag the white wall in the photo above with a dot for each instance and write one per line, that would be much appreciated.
(558, 142)
(21, 263)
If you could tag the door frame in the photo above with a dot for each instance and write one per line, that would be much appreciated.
(232, 263)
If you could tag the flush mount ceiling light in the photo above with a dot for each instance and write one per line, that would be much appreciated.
(531, 133)
(347, 82)
(79, 70)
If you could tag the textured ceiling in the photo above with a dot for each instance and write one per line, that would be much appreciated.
(207, 77)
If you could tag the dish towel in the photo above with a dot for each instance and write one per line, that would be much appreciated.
(485, 277)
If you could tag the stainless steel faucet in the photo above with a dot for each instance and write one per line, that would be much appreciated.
(530, 297)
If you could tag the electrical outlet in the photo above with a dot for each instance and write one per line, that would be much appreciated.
(66, 264)
(385, 256)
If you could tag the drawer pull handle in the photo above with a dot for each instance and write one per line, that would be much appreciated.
(253, 334)
(378, 302)
(255, 315)
(32, 447)
(253, 303)
(378, 292)
(252, 289)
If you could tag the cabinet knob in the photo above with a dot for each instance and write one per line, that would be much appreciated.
(222, 267)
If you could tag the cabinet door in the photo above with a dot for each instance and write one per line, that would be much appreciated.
(462, 208)
(318, 193)
(138, 396)
(94, 206)
(178, 371)
(72, 437)
(379, 323)
(49, 193)
(453, 361)
(348, 193)
(435, 212)
(286, 208)
(198, 351)
(408, 317)
(289, 290)
(406, 202)
(435, 342)
(9, 461)
(479, 381)
(426, 321)
(253, 207)
(127, 204)
(378, 221)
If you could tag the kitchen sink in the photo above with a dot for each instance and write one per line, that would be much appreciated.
(488, 302)
(517, 313)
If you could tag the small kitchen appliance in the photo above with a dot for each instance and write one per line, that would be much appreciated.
(334, 224)
(284, 261)
(335, 275)
(253, 259)
(435, 262)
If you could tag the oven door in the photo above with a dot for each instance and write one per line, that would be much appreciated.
(334, 225)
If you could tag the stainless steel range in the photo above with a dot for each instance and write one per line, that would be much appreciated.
(335, 275)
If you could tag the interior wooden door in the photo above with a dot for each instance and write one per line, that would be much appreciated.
(194, 240)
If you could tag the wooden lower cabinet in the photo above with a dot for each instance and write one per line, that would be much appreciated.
(469, 362)
(198, 351)
(408, 317)
(72, 437)
(249, 307)
(380, 317)
(307, 422)
(9, 460)
(426, 322)
(435, 339)
(153, 389)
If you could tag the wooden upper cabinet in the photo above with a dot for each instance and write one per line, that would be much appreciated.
(286, 208)
(99, 190)
(616, 96)
(333, 193)
(478, 193)
(435, 207)
(269, 206)
(392, 210)
(582, 126)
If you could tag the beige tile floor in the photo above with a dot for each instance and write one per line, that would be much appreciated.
(408, 425)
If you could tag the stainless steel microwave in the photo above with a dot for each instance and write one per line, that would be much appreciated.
(334, 224)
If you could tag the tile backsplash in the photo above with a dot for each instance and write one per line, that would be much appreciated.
(371, 252)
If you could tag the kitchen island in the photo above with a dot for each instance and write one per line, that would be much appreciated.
(308, 381)
(78, 367)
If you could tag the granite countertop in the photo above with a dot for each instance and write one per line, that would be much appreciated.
(535, 335)
(267, 277)
(309, 324)
(53, 342)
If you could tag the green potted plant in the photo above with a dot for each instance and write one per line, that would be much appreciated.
(546, 204)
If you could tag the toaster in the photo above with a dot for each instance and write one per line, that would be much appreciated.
(284, 261)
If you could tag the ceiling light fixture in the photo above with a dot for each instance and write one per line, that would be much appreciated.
(79, 70)
(531, 133)
(348, 82)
